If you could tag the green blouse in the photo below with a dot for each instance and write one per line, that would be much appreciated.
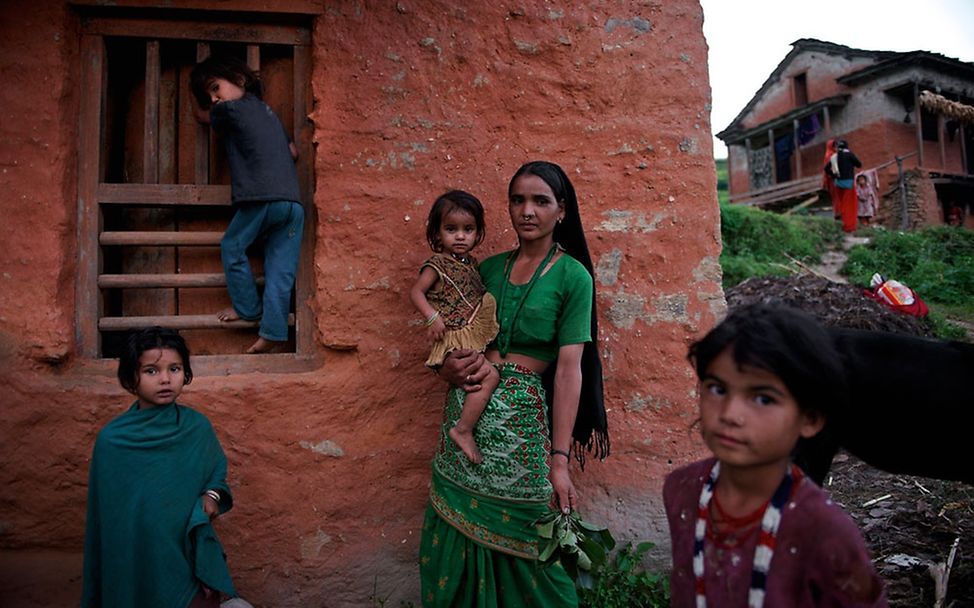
(557, 311)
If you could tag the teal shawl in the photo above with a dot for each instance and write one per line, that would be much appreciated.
(148, 542)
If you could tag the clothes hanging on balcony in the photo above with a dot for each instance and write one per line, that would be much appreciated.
(784, 147)
(808, 128)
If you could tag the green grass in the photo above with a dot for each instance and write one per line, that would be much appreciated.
(937, 262)
(760, 243)
(723, 194)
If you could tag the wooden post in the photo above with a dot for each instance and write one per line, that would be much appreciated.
(904, 219)
(747, 156)
(774, 157)
(963, 150)
(827, 119)
(150, 144)
(919, 129)
(303, 133)
(941, 139)
(253, 57)
(87, 295)
(202, 166)
(798, 153)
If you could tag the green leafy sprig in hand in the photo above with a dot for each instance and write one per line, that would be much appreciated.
(581, 547)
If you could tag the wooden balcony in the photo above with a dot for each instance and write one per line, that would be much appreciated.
(785, 194)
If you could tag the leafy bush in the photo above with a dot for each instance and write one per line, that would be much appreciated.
(759, 243)
(583, 549)
(623, 583)
(937, 262)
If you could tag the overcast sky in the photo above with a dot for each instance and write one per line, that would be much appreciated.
(748, 38)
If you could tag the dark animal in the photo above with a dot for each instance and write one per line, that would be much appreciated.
(910, 408)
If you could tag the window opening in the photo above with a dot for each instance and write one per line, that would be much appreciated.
(154, 184)
(800, 84)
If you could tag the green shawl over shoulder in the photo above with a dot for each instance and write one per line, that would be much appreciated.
(148, 542)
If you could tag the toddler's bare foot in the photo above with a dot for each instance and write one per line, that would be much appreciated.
(262, 345)
(228, 314)
(465, 442)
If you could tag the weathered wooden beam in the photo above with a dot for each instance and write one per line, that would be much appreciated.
(217, 31)
(294, 7)
(919, 122)
(303, 135)
(160, 238)
(175, 322)
(151, 281)
(150, 143)
(941, 138)
(201, 165)
(163, 194)
(92, 93)
(963, 149)
(157, 280)
(798, 151)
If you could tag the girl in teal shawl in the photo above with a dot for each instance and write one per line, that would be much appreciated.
(158, 476)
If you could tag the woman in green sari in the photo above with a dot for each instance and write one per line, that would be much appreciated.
(479, 546)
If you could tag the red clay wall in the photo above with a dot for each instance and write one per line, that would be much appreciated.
(330, 467)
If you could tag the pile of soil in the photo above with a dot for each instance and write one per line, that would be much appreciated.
(910, 523)
(834, 304)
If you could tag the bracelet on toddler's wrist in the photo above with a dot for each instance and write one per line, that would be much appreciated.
(433, 318)
(567, 456)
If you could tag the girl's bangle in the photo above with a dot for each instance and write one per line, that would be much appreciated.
(433, 317)
(567, 456)
(214, 495)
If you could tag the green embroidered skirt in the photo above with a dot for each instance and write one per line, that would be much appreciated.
(479, 546)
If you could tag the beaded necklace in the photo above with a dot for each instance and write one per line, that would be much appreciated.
(504, 336)
(764, 550)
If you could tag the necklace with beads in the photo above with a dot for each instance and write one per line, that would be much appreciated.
(763, 552)
(504, 336)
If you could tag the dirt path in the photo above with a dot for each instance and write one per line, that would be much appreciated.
(832, 261)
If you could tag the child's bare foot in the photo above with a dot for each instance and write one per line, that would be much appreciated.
(263, 345)
(465, 441)
(228, 314)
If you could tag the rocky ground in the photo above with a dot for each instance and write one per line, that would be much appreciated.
(920, 531)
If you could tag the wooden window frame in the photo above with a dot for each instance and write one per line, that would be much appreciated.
(94, 193)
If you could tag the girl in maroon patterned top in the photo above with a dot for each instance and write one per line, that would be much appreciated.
(451, 297)
(747, 527)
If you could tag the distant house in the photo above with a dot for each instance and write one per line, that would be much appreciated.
(907, 115)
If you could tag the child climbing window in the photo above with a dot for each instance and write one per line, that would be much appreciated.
(265, 193)
(451, 297)
(747, 527)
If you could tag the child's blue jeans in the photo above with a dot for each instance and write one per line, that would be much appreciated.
(279, 225)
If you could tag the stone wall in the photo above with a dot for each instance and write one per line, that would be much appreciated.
(922, 206)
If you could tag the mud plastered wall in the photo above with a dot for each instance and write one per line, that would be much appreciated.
(330, 467)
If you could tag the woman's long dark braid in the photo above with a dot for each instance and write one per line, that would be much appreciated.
(591, 433)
